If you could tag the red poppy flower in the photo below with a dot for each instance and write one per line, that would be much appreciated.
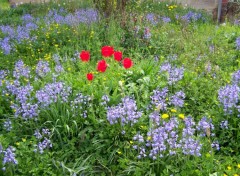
(107, 51)
(118, 55)
(127, 63)
(90, 76)
(102, 66)
(84, 56)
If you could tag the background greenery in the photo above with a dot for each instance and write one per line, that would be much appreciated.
(92, 146)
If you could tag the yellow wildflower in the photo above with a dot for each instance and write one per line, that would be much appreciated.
(149, 138)
(173, 110)
(24, 140)
(131, 142)
(235, 175)
(181, 116)
(119, 152)
(229, 167)
(238, 166)
(165, 116)
(17, 143)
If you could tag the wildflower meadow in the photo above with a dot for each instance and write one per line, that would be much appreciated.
(147, 88)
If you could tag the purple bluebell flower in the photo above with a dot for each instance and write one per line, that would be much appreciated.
(105, 99)
(236, 77)
(29, 111)
(152, 18)
(174, 74)
(42, 68)
(165, 67)
(229, 97)
(189, 145)
(46, 131)
(139, 138)
(205, 126)
(7, 125)
(3, 75)
(166, 19)
(59, 68)
(125, 112)
(224, 124)
(237, 22)
(9, 156)
(155, 117)
(140, 145)
(53, 92)
(87, 16)
(164, 139)
(6, 45)
(37, 134)
(8, 31)
(215, 145)
(22, 34)
(192, 17)
(31, 26)
(158, 99)
(142, 152)
(56, 58)
(177, 100)
(80, 105)
(27, 18)
(45, 144)
(44, 141)
(21, 69)
(238, 43)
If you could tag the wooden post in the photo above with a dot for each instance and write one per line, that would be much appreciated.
(219, 10)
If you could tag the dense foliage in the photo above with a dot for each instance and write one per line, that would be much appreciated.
(153, 92)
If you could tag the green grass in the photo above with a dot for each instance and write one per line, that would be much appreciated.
(4, 5)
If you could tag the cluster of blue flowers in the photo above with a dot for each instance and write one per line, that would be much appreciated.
(23, 32)
(174, 136)
(53, 92)
(229, 95)
(162, 98)
(86, 16)
(191, 17)
(125, 112)
(156, 19)
(42, 68)
(238, 43)
(174, 74)
(80, 105)
(9, 156)
(44, 141)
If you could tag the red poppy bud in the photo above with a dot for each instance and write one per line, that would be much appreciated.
(127, 63)
(90, 76)
(84, 56)
(102, 66)
(107, 51)
(118, 55)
